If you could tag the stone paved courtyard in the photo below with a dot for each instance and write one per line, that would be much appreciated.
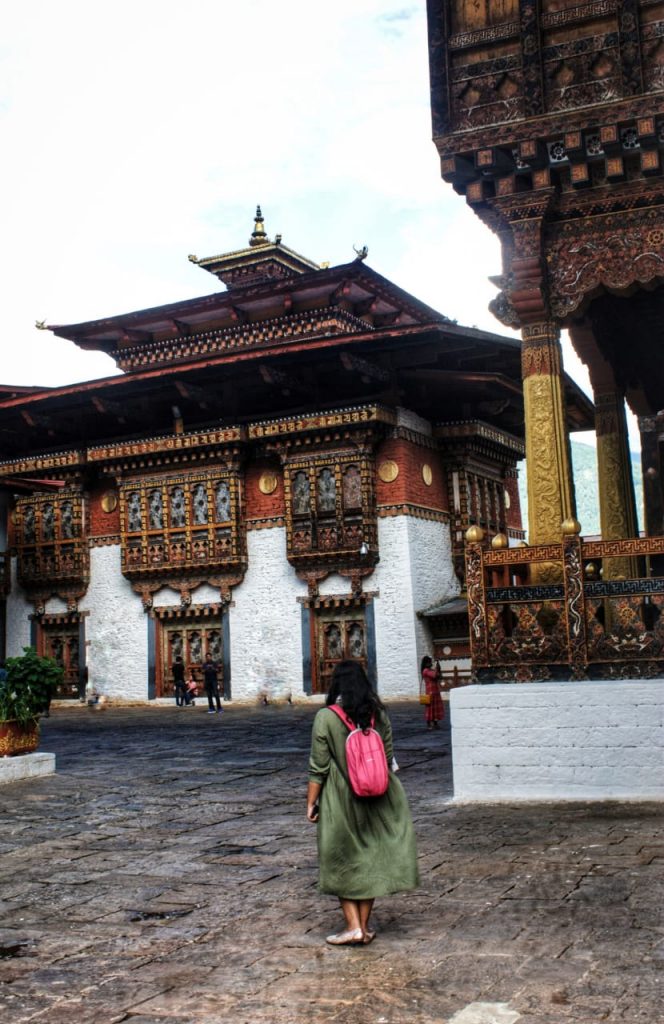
(167, 875)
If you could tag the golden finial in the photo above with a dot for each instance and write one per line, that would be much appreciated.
(570, 527)
(192, 258)
(474, 535)
(500, 541)
(258, 236)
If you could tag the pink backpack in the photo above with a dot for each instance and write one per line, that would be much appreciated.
(365, 758)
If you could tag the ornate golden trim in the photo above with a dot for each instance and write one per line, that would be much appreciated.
(268, 523)
(166, 443)
(323, 420)
(417, 511)
(39, 463)
(108, 540)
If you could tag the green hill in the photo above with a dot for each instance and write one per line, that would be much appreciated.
(584, 462)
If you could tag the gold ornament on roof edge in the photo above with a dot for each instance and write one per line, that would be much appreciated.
(427, 474)
(109, 501)
(474, 534)
(388, 471)
(268, 483)
(499, 541)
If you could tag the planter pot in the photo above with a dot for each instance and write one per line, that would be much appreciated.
(18, 739)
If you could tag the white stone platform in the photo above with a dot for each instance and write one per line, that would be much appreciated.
(600, 740)
(26, 766)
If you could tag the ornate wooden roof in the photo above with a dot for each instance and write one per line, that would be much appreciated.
(320, 339)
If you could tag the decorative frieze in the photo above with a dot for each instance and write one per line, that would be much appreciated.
(279, 330)
(324, 420)
(417, 511)
(42, 463)
(125, 454)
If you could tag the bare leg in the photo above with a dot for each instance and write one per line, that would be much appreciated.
(365, 908)
(351, 912)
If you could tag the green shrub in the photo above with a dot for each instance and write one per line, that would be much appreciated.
(30, 684)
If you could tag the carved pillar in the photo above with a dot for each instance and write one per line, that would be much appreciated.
(548, 461)
(617, 504)
(653, 492)
(651, 462)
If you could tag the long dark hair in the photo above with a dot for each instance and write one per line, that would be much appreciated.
(426, 663)
(358, 697)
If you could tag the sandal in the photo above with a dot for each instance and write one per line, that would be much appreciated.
(368, 937)
(350, 937)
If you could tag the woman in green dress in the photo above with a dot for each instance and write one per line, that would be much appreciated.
(366, 845)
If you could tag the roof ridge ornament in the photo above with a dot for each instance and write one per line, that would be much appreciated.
(258, 235)
(362, 253)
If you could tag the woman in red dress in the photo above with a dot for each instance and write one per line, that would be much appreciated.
(435, 710)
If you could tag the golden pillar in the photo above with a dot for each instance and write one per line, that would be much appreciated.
(617, 504)
(548, 460)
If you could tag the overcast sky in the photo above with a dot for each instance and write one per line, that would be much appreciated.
(135, 133)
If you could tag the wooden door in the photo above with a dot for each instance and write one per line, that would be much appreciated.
(340, 636)
(191, 640)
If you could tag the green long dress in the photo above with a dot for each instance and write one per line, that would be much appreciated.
(366, 846)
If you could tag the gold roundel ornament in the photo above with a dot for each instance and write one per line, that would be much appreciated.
(109, 501)
(268, 483)
(388, 471)
(427, 474)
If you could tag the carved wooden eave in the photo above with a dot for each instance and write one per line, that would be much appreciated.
(186, 450)
(555, 113)
(480, 438)
(343, 299)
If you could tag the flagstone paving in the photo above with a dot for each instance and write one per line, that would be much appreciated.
(167, 875)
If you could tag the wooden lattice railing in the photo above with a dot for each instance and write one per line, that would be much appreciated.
(582, 627)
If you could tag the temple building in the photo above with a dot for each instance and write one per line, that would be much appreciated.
(282, 476)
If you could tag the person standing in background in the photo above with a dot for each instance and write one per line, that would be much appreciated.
(211, 681)
(178, 682)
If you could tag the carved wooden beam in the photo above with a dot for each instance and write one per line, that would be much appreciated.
(135, 336)
(280, 379)
(368, 305)
(365, 369)
(193, 393)
(36, 421)
(108, 408)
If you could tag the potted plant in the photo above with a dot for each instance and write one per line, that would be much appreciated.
(26, 687)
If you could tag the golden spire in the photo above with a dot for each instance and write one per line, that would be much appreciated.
(258, 236)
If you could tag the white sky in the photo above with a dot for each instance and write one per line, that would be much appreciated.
(135, 133)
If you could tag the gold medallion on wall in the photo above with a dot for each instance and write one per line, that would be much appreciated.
(109, 501)
(268, 482)
(427, 474)
(388, 471)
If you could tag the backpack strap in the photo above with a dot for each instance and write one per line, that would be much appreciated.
(338, 710)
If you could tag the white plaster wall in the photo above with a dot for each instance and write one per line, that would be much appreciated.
(334, 584)
(558, 741)
(116, 628)
(19, 611)
(265, 621)
(432, 573)
(414, 571)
